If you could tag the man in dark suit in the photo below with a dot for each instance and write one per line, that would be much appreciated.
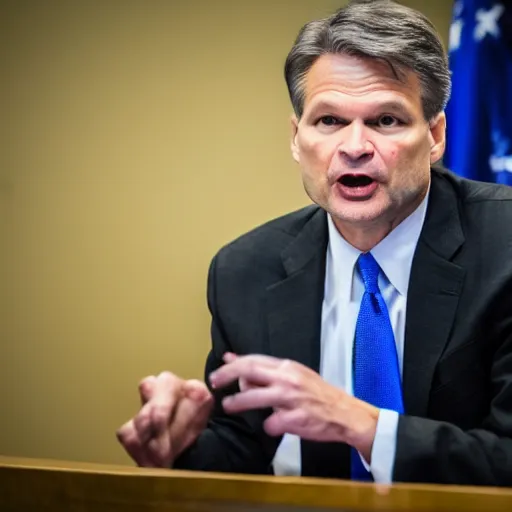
(369, 336)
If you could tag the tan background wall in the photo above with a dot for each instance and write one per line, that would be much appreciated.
(137, 137)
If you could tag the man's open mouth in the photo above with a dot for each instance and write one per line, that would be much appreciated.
(355, 180)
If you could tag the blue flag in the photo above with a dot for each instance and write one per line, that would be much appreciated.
(479, 113)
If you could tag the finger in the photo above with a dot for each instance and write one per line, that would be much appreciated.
(190, 419)
(263, 359)
(294, 421)
(194, 409)
(229, 357)
(161, 408)
(146, 388)
(167, 392)
(127, 436)
(190, 416)
(256, 398)
(143, 424)
(249, 368)
(153, 392)
(159, 450)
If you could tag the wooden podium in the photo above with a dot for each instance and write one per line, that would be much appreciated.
(28, 485)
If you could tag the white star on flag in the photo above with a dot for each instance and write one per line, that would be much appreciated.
(455, 35)
(487, 22)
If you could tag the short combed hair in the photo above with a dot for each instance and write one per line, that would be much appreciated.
(380, 29)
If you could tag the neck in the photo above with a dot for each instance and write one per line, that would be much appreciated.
(363, 238)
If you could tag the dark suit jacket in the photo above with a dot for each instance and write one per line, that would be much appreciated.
(265, 293)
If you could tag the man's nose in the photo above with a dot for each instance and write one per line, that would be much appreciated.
(355, 145)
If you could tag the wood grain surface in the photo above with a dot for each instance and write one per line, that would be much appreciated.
(45, 485)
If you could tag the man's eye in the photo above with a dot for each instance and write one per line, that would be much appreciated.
(329, 120)
(387, 121)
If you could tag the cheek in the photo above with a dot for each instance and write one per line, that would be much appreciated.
(407, 164)
(391, 155)
(317, 150)
(401, 154)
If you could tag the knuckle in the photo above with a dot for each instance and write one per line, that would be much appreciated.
(128, 438)
(146, 384)
(125, 429)
(287, 364)
(170, 384)
(293, 380)
(167, 377)
(146, 380)
(121, 435)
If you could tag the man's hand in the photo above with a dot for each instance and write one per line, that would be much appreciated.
(303, 403)
(173, 414)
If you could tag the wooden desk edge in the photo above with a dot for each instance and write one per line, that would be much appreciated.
(270, 490)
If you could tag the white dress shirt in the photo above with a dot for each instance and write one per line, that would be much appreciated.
(342, 297)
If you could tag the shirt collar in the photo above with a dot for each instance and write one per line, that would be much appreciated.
(341, 259)
(394, 253)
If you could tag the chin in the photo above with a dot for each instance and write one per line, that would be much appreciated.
(362, 212)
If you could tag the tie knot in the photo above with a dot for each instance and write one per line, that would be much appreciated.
(369, 270)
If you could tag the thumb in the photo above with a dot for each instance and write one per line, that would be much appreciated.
(191, 417)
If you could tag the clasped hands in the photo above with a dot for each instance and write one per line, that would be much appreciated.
(174, 411)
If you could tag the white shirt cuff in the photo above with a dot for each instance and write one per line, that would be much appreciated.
(384, 447)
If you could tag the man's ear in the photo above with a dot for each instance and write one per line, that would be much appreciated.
(437, 128)
(293, 143)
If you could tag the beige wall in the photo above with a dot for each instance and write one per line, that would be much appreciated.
(137, 137)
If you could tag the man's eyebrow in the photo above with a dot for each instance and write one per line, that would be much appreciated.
(393, 106)
(386, 106)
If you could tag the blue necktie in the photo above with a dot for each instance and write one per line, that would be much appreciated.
(376, 374)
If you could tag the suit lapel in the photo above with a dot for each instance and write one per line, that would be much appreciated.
(434, 290)
(294, 319)
(294, 305)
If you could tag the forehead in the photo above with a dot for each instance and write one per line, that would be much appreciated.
(338, 77)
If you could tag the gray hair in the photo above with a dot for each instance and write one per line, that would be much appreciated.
(380, 29)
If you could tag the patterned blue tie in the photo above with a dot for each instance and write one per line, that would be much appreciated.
(376, 374)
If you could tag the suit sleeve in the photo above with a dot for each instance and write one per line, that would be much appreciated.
(234, 443)
(440, 452)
